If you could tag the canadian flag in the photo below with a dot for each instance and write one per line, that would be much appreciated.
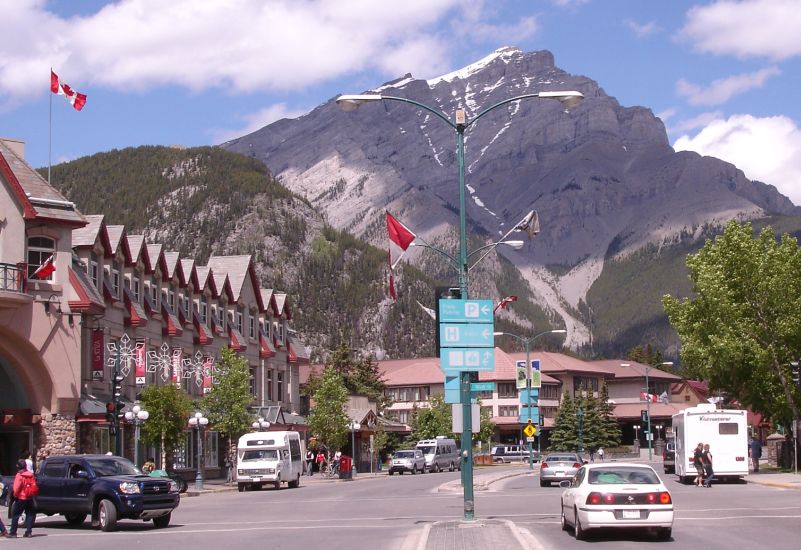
(402, 237)
(57, 87)
(505, 302)
(46, 269)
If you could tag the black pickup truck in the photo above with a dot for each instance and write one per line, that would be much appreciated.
(107, 488)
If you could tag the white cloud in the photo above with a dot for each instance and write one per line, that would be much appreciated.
(641, 29)
(256, 121)
(699, 121)
(765, 149)
(242, 47)
(751, 28)
(723, 89)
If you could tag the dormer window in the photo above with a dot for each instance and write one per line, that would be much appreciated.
(239, 321)
(154, 290)
(93, 270)
(252, 326)
(115, 278)
(136, 287)
(171, 299)
(204, 310)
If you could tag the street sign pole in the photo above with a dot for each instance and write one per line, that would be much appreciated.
(528, 387)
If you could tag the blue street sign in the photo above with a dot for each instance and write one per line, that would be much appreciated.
(534, 396)
(453, 360)
(452, 390)
(466, 335)
(466, 311)
(535, 415)
(482, 386)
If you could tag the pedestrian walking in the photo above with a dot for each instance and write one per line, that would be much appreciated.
(699, 464)
(709, 472)
(3, 502)
(755, 453)
(601, 454)
(309, 463)
(229, 469)
(25, 488)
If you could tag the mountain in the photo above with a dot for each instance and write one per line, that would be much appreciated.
(611, 193)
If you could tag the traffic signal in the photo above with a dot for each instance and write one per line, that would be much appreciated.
(443, 293)
(116, 391)
(110, 413)
(644, 416)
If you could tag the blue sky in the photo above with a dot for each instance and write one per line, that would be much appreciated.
(723, 75)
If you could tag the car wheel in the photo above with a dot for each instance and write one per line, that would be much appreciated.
(75, 518)
(391, 472)
(240, 487)
(294, 484)
(436, 467)
(664, 533)
(544, 484)
(578, 530)
(414, 470)
(162, 521)
(452, 467)
(565, 526)
(277, 485)
(107, 515)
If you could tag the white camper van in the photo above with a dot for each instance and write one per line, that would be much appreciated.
(440, 453)
(725, 431)
(269, 458)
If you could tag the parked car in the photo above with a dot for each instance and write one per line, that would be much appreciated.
(620, 495)
(669, 456)
(410, 460)
(510, 453)
(558, 467)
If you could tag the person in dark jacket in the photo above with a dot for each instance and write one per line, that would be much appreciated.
(699, 464)
(23, 502)
(3, 532)
(755, 452)
(709, 471)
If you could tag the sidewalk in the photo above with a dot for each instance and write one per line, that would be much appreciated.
(772, 478)
(218, 485)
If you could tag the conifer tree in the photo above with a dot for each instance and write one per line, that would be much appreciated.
(607, 411)
(565, 436)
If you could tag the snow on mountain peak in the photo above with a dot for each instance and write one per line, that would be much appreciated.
(505, 54)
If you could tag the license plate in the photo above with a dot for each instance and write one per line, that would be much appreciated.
(631, 514)
(560, 473)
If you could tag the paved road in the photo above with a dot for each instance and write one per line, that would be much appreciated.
(387, 512)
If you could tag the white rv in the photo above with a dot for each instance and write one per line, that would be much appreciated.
(440, 453)
(725, 431)
(269, 458)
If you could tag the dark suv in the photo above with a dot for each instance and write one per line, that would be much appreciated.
(669, 457)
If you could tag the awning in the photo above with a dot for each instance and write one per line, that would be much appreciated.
(266, 348)
(136, 312)
(203, 335)
(172, 327)
(89, 299)
(238, 343)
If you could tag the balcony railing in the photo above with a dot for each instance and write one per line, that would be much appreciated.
(12, 277)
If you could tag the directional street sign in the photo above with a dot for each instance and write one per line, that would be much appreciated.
(452, 360)
(477, 335)
(465, 311)
(482, 386)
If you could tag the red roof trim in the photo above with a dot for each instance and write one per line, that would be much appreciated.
(171, 325)
(265, 350)
(84, 304)
(28, 211)
(203, 336)
(238, 343)
(134, 319)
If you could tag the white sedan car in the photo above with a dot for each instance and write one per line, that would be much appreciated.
(617, 495)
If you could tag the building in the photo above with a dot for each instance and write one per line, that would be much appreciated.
(115, 300)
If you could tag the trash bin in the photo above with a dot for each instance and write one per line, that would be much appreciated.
(345, 467)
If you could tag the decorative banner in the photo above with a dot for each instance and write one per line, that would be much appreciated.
(177, 364)
(536, 374)
(520, 367)
(140, 363)
(208, 367)
(98, 339)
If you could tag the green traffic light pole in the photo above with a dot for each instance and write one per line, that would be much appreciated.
(527, 343)
(351, 102)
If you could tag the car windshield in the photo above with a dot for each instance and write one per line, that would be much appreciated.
(622, 475)
(561, 458)
(113, 466)
(260, 454)
(404, 454)
(427, 450)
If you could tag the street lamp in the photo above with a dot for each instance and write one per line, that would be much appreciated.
(459, 125)
(354, 426)
(580, 417)
(198, 422)
(649, 436)
(637, 436)
(137, 415)
(260, 424)
(527, 342)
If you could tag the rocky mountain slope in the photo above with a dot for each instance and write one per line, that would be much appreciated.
(603, 177)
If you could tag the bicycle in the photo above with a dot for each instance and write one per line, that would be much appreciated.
(329, 471)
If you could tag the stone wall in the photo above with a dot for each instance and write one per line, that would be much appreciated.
(57, 435)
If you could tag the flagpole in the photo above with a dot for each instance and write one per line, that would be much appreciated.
(50, 132)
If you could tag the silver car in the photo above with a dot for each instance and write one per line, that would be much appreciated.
(411, 460)
(559, 467)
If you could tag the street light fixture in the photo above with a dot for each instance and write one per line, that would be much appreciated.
(354, 426)
(580, 417)
(198, 422)
(649, 434)
(527, 342)
(460, 123)
(137, 415)
(260, 424)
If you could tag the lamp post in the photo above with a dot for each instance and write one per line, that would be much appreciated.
(527, 343)
(637, 436)
(137, 415)
(354, 426)
(198, 422)
(580, 417)
(260, 425)
(648, 435)
(459, 125)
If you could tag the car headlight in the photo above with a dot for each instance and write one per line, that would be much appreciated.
(173, 486)
(129, 488)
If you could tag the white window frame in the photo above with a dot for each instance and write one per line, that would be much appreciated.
(39, 253)
(115, 279)
(136, 287)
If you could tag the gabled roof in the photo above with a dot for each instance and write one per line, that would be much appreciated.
(172, 266)
(206, 279)
(87, 236)
(282, 305)
(154, 256)
(239, 269)
(634, 370)
(38, 199)
(190, 275)
(268, 299)
(136, 247)
(115, 238)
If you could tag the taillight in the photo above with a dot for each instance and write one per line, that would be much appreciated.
(650, 498)
(544, 465)
(664, 498)
(664, 455)
(594, 498)
(577, 465)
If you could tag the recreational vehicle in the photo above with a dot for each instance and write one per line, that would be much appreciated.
(269, 458)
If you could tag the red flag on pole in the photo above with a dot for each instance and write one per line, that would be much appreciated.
(76, 99)
(399, 233)
(392, 293)
(505, 302)
(46, 269)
